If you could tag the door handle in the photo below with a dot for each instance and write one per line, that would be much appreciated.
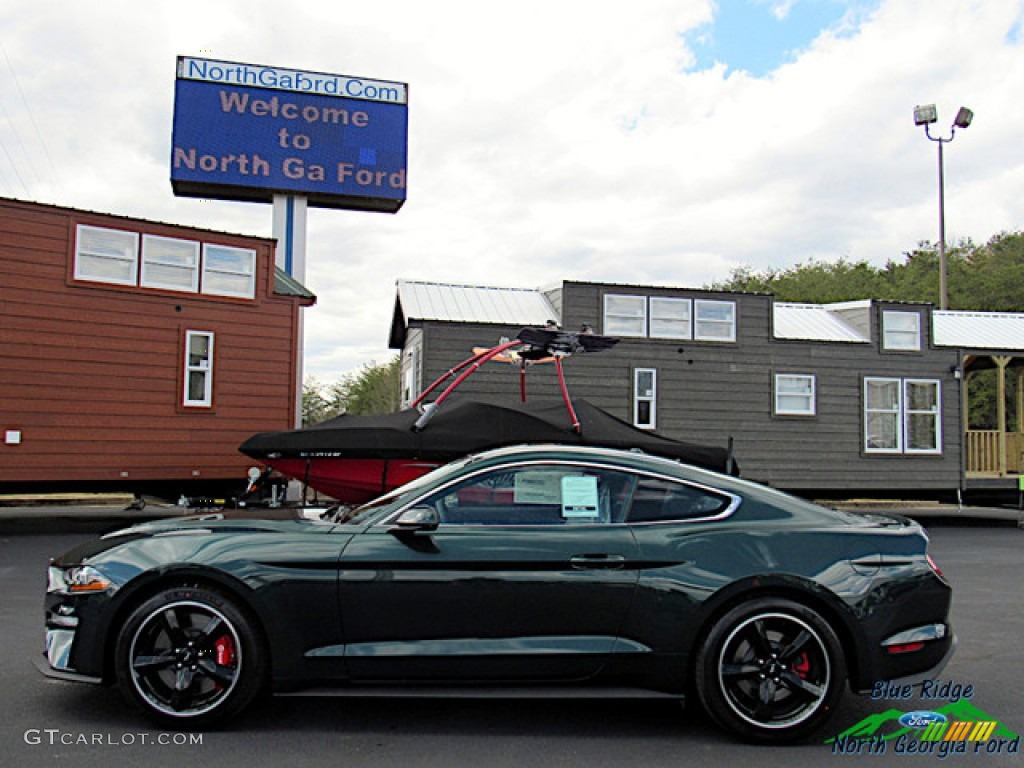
(597, 561)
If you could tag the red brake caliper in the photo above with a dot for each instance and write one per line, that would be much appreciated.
(803, 666)
(225, 651)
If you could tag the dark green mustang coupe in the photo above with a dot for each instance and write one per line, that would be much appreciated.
(552, 570)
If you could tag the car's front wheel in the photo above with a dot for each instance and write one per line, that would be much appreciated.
(189, 657)
(770, 670)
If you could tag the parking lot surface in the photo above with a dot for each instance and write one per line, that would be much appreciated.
(47, 722)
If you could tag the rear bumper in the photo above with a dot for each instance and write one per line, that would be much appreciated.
(910, 668)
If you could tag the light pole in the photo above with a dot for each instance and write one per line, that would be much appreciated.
(926, 114)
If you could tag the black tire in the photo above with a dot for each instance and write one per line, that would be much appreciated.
(770, 670)
(189, 658)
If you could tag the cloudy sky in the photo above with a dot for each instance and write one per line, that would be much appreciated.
(661, 141)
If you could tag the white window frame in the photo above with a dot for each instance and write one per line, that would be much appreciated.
(410, 376)
(650, 397)
(209, 273)
(903, 415)
(204, 366)
(702, 325)
(894, 412)
(82, 232)
(662, 325)
(809, 397)
(625, 323)
(935, 412)
(149, 260)
(896, 337)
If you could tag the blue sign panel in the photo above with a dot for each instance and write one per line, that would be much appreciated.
(236, 141)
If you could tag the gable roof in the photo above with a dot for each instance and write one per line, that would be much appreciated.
(473, 304)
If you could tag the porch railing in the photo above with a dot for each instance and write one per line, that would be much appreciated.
(984, 457)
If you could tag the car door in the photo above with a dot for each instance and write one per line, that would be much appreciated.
(528, 576)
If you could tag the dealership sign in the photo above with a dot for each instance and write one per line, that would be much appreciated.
(245, 132)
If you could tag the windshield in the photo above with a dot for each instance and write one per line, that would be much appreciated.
(402, 494)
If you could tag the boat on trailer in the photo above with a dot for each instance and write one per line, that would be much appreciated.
(354, 458)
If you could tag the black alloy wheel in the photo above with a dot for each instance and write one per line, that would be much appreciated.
(771, 670)
(189, 657)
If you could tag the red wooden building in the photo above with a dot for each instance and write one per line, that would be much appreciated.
(138, 355)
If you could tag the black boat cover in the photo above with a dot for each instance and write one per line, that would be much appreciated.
(460, 427)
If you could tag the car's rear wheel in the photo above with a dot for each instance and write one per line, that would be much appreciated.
(770, 670)
(189, 657)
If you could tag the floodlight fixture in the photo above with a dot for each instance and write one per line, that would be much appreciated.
(924, 114)
(963, 118)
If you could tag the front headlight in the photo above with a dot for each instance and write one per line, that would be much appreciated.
(75, 580)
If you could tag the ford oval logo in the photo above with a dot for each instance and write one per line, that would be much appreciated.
(921, 719)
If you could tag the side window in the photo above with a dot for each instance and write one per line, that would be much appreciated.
(534, 495)
(901, 330)
(198, 369)
(645, 398)
(658, 501)
(625, 315)
(106, 255)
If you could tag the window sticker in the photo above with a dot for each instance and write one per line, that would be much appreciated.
(579, 496)
(538, 488)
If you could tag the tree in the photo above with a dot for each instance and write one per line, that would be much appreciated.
(816, 282)
(988, 278)
(374, 388)
(315, 405)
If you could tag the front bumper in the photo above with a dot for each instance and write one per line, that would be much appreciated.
(43, 665)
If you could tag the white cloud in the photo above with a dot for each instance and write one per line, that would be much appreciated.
(548, 140)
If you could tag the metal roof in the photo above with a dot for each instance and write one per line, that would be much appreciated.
(474, 304)
(812, 322)
(286, 285)
(981, 330)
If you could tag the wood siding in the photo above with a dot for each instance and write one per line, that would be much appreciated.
(708, 392)
(92, 374)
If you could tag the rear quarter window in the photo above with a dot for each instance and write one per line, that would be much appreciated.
(656, 501)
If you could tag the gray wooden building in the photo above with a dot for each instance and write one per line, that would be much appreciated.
(864, 397)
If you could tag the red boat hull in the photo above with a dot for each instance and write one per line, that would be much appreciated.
(352, 481)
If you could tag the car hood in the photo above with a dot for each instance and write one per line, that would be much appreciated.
(271, 522)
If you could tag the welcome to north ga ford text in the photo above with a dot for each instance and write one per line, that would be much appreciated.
(292, 120)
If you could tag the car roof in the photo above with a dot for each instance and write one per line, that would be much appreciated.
(634, 459)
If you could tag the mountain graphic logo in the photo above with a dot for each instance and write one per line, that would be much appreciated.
(885, 726)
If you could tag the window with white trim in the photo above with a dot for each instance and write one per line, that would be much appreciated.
(106, 255)
(198, 386)
(794, 394)
(645, 398)
(114, 256)
(625, 315)
(670, 318)
(902, 416)
(901, 330)
(410, 376)
(229, 271)
(714, 320)
(923, 428)
(170, 263)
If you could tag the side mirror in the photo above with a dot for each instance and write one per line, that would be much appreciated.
(418, 519)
